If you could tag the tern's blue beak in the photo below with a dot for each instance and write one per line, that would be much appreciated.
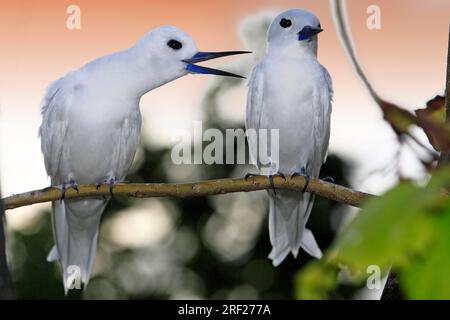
(204, 56)
(308, 32)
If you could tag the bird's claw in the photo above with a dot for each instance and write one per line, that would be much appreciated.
(251, 175)
(328, 179)
(272, 185)
(111, 182)
(303, 174)
(248, 175)
(72, 184)
(63, 192)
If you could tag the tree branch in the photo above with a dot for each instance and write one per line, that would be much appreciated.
(6, 289)
(205, 188)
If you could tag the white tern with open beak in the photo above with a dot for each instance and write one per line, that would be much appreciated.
(291, 91)
(91, 126)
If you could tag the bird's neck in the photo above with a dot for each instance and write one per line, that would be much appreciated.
(294, 49)
(134, 74)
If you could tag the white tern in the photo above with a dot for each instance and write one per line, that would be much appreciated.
(90, 132)
(291, 91)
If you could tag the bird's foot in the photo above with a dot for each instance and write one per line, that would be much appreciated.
(328, 179)
(303, 174)
(272, 185)
(65, 186)
(109, 182)
(74, 185)
(251, 175)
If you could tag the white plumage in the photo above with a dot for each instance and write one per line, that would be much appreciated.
(91, 125)
(291, 91)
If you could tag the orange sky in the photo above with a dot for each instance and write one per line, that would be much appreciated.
(34, 37)
(405, 60)
(36, 45)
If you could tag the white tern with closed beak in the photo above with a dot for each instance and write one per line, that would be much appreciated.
(291, 91)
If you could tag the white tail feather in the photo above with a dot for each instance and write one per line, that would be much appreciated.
(53, 255)
(75, 225)
(309, 244)
(288, 214)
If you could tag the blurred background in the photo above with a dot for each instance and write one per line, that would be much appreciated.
(210, 247)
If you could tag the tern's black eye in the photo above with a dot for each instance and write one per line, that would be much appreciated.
(285, 23)
(174, 44)
(319, 26)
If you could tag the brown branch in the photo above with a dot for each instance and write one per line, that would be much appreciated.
(6, 289)
(182, 190)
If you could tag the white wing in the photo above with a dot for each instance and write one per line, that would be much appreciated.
(55, 108)
(322, 97)
(255, 98)
(128, 142)
(255, 102)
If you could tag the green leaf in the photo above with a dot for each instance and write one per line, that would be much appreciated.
(429, 276)
(315, 281)
(407, 228)
(387, 230)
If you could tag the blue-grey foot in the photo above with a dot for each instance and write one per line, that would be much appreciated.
(328, 179)
(303, 174)
(72, 184)
(271, 183)
(250, 175)
(110, 182)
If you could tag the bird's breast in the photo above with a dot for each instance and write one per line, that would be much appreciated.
(95, 130)
(288, 107)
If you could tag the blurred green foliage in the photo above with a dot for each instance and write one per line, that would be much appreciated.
(407, 229)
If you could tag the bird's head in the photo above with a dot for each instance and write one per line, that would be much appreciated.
(294, 30)
(175, 53)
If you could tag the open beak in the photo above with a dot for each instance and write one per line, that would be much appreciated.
(308, 32)
(204, 56)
